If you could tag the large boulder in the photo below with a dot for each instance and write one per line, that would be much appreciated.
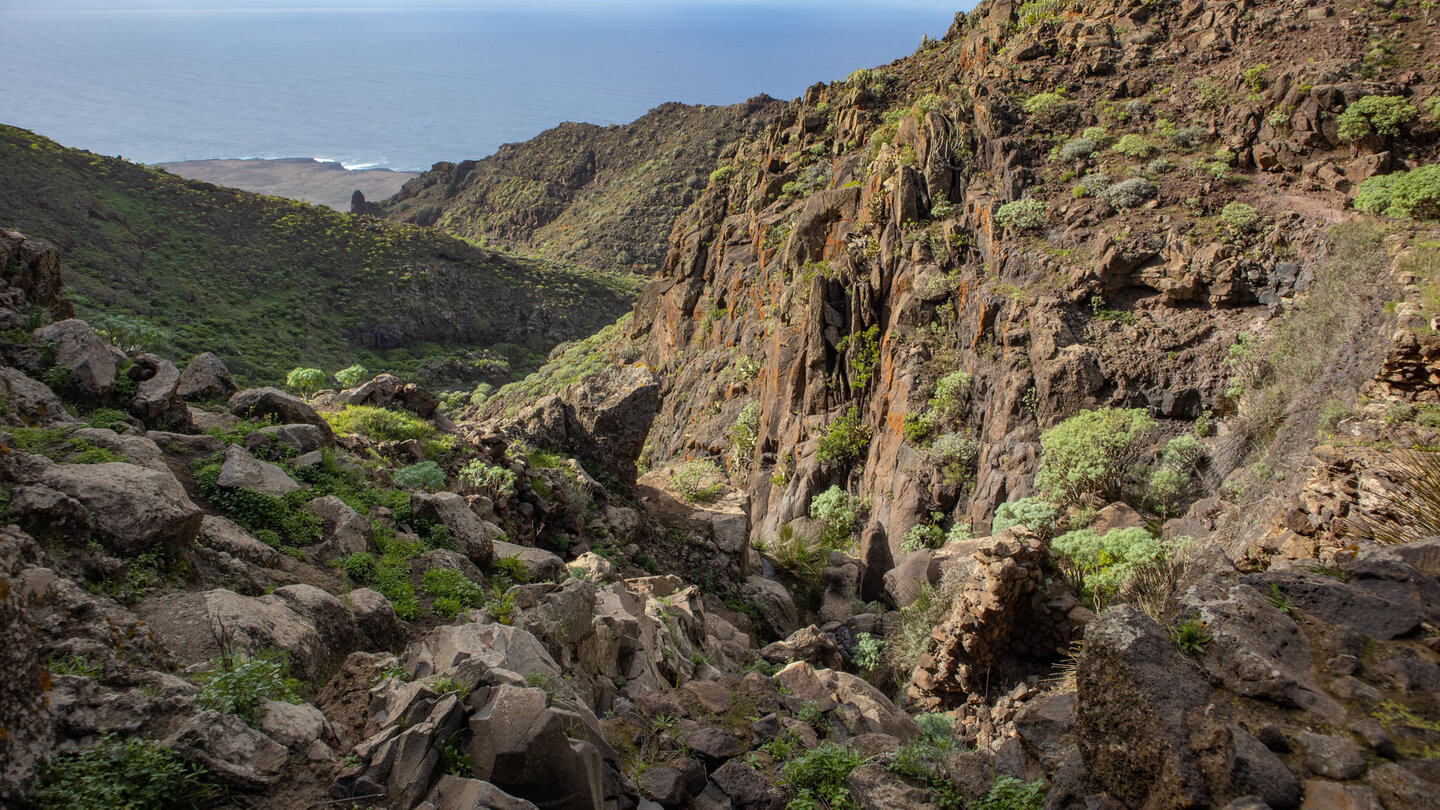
(31, 403)
(232, 752)
(255, 403)
(603, 418)
(475, 537)
(31, 275)
(90, 359)
(1138, 704)
(389, 391)
(346, 531)
(778, 616)
(156, 402)
(459, 793)
(223, 534)
(521, 744)
(243, 471)
(307, 623)
(540, 565)
(131, 508)
(206, 379)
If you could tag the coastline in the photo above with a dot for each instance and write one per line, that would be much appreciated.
(314, 180)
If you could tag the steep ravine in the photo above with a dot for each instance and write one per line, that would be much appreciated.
(1043, 420)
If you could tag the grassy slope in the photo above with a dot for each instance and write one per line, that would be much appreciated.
(601, 196)
(269, 284)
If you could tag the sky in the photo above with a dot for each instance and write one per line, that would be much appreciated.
(296, 5)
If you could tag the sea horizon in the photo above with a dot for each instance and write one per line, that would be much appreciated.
(403, 89)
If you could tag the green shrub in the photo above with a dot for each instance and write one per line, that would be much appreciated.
(116, 774)
(847, 438)
(305, 381)
(1188, 138)
(1102, 565)
(819, 775)
(107, 419)
(1134, 145)
(1413, 194)
(237, 685)
(1009, 793)
(1044, 105)
(381, 424)
(1130, 193)
(1092, 453)
(867, 653)
(483, 478)
(1240, 218)
(722, 174)
(452, 592)
(698, 481)
(426, 475)
(352, 376)
(942, 209)
(956, 453)
(1375, 114)
(799, 559)
(744, 432)
(927, 534)
(259, 512)
(864, 349)
(1022, 215)
(1097, 135)
(834, 508)
(1077, 149)
(1034, 513)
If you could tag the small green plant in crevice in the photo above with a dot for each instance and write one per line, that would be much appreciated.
(452, 592)
(817, 777)
(116, 773)
(1279, 601)
(809, 713)
(444, 685)
(239, 684)
(1191, 636)
(454, 758)
(72, 664)
(836, 510)
(868, 653)
(1009, 793)
(864, 348)
(846, 439)
(395, 670)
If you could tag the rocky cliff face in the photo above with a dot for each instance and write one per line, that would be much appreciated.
(852, 256)
(598, 196)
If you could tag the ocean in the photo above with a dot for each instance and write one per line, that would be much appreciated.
(405, 88)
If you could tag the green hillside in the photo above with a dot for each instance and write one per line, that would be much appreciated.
(269, 284)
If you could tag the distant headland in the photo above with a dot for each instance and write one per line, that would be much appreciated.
(316, 181)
